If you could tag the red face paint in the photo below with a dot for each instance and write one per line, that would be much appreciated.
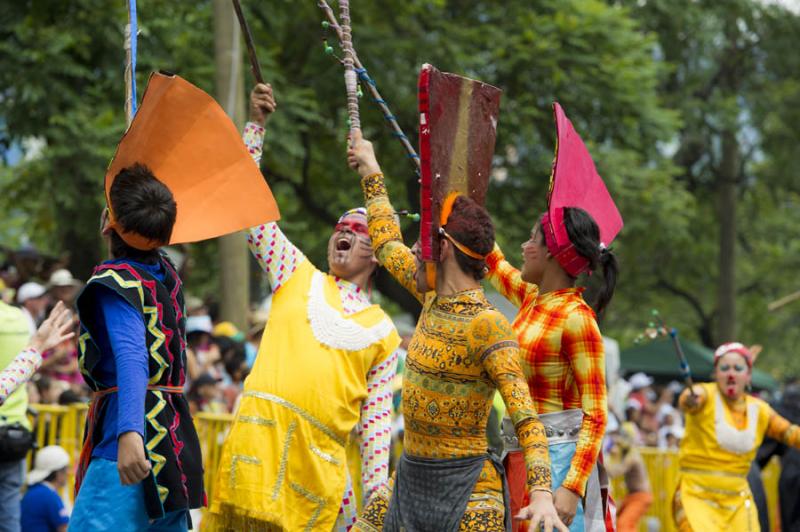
(354, 225)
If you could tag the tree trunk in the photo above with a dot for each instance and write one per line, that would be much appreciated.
(229, 86)
(726, 203)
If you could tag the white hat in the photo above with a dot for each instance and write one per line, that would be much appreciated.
(199, 324)
(48, 459)
(62, 277)
(30, 291)
(640, 380)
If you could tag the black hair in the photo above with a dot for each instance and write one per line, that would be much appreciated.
(69, 397)
(584, 234)
(143, 205)
(228, 347)
(470, 224)
(194, 338)
(235, 362)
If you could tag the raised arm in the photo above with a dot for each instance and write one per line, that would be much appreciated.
(384, 227)
(507, 280)
(375, 426)
(582, 344)
(275, 253)
(492, 341)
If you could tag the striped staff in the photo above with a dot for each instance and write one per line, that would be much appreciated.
(350, 78)
(364, 76)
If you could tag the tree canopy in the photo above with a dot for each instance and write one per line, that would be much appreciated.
(677, 100)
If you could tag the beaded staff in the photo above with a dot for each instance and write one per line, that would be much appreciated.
(364, 76)
(659, 328)
(350, 78)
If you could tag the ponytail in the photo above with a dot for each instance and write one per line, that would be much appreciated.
(584, 234)
(610, 267)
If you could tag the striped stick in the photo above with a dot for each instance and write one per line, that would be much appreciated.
(131, 31)
(350, 78)
(397, 131)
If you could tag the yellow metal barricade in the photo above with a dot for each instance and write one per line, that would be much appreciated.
(212, 430)
(59, 425)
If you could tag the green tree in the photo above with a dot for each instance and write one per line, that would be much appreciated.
(733, 82)
(61, 73)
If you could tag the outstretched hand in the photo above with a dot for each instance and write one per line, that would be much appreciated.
(262, 103)
(55, 329)
(361, 155)
(541, 511)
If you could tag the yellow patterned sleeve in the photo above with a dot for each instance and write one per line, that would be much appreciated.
(387, 240)
(492, 341)
(781, 429)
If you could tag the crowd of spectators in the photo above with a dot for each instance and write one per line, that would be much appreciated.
(650, 413)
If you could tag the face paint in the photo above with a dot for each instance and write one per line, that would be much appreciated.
(353, 224)
(350, 247)
(534, 257)
(732, 375)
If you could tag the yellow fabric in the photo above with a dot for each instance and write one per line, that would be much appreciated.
(714, 493)
(284, 461)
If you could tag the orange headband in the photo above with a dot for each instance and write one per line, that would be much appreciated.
(133, 239)
(462, 248)
(447, 209)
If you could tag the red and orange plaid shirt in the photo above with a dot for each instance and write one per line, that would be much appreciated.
(562, 356)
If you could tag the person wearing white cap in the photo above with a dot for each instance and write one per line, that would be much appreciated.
(640, 380)
(42, 507)
(63, 286)
(32, 298)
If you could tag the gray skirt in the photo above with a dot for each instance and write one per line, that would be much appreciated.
(432, 494)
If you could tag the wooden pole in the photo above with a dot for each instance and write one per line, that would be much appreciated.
(229, 87)
(248, 39)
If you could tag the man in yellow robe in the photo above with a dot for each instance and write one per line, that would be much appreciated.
(325, 367)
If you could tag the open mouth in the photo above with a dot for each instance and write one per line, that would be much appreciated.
(343, 244)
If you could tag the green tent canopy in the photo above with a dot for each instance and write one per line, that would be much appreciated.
(657, 358)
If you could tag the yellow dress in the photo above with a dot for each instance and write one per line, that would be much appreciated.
(283, 465)
(463, 350)
(721, 442)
